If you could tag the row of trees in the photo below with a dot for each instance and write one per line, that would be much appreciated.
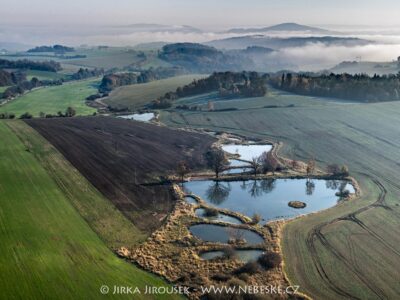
(359, 87)
(69, 113)
(112, 81)
(26, 64)
(228, 84)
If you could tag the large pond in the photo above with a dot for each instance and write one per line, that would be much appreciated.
(201, 212)
(243, 255)
(222, 234)
(145, 117)
(269, 198)
(246, 152)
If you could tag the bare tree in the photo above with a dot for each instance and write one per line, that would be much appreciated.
(269, 162)
(255, 164)
(217, 161)
(182, 170)
(310, 167)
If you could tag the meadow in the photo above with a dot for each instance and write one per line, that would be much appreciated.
(351, 250)
(48, 250)
(50, 100)
(136, 96)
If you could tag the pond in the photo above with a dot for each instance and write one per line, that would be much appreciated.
(247, 152)
(222, 234)
(191, 200)
(145, 117)
(200, 212)
(269, 198)
(243, 255)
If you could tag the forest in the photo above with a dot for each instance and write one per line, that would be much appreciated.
(359, 87)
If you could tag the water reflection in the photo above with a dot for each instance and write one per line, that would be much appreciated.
(218, 192)
(270, 197)
(310, 187)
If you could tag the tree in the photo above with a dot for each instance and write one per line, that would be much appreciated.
(333, 169)
(42, 115)
(182, 170)
(217, 161)
(256, 219)
(70, 112)
(255, 164)
(268, 162)
(294, 164)
(26, 116)
(310, 167)
(270, 260)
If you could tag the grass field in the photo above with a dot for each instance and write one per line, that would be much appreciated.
(50, 100)
(44, 75)
(350, 251)
(135, 96)
(47, 249)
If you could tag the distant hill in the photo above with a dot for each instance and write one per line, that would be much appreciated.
(242, 42)
(144, 27)
(281, 27)
(205, 59)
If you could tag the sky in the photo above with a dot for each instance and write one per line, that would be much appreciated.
(205, 14)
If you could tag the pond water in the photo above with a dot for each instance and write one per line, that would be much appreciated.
(246, 152)
(269, 198)
(200, 212)
(243, 255)
(191, 200)
(145, 117)
(222, 234)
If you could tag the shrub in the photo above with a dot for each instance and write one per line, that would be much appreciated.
(26, 116)
(270, 260)
(221, 277)
(251, 267)
(256, 219)
(229, 252)
(210, 212)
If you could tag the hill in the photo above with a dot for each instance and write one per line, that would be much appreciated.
(292, 27)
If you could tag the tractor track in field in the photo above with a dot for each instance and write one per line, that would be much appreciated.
(316, 235)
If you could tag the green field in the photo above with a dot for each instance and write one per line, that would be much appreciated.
(48, 251)
(44, 75)
(50, 100)
(135, 96)
(350, 251)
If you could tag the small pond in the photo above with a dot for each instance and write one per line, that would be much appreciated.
(190, 200)
(145, 117)
(200, 212)
(247, 152)
(243, 255)
(269, 198)
(222, 234)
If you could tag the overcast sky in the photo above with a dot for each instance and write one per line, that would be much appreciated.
(201, 13)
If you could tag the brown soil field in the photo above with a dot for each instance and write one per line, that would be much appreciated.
(121, 158)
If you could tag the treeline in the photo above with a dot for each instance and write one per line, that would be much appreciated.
(112, 81)
(86, 73)
(69, 113)
(11, 78)
(228, 84)
(27, 85)
(26, 64)
(359, 87)
(55, 48)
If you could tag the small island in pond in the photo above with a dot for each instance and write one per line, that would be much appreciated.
(297, 204)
